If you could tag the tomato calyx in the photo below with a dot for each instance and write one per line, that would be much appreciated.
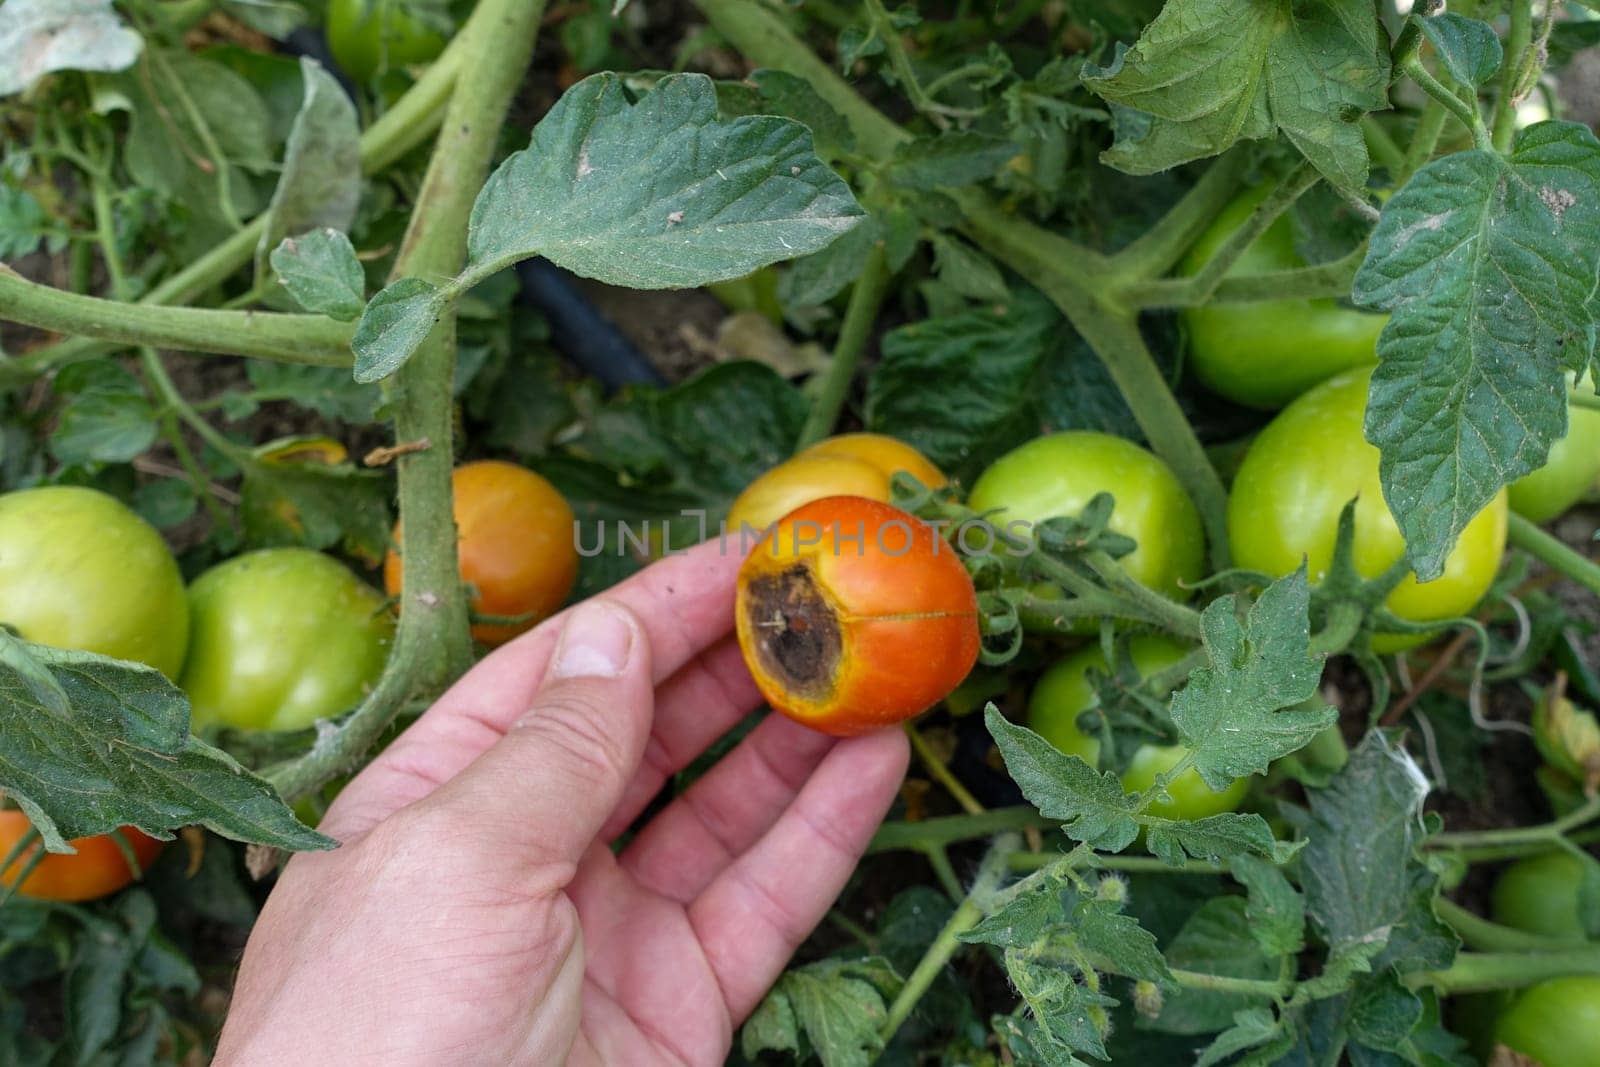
(797, 630)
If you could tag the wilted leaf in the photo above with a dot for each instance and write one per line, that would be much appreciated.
(320, 186)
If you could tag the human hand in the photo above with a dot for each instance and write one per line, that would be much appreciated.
(475, 912)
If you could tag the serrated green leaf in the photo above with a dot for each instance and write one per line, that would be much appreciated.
(950, 160)
(1276, 910)
(968, 271)
(1487, 265)
(839, 1005)
(1209, 73)
(329, 391)
(1091, 806)
(106, 418)
(41, 36)
(658, 194)
(122, 755)
(778, 92)
(321, 272)
(1116, 942)
(393, 327)
(320, 185)
(1468, 49)
(1216, 939)
(1214, 838)
(1022, 918)
(1251, 1027)
(23, 223)
(1383, 1012)
(771, 1027)
(1239, 712)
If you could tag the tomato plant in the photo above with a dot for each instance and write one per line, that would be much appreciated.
(97, 868)
(843, 606)
(1300, 472)
(1268, 352)
(1059, 473)
(852, 464)
(516, 546)
(282, 637)
(367, 36)
(80, 570)
(1064, 692)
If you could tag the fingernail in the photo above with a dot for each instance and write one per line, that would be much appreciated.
(595, 643)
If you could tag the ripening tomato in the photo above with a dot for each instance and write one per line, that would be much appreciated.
(1298, 475)
(1543, 895)
(366, 36)
(79, 570)
(514, 535)
(1063, 693)
(1572, 467)
(851, 464)
(282, 637)
(1556, 1022)
(97, 869)
(1060, 473)
(1267, 352)
(854, 615)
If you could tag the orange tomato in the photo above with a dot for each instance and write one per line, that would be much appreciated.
(853, 615)
(97, 869)
(851, 464)
(514, 536)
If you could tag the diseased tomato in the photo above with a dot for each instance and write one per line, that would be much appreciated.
(1542, 895)
(1298, 475)
(1060, 473)
(1571, 470)
(367, 36)
(79, 570)
(515, 539)
(853, 615)
(1064, 692)
(851, 464)
(1266, 353)
(1556, 1022)
(282, 637)
(97, 869)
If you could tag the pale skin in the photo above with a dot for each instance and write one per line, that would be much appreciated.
(476, 913)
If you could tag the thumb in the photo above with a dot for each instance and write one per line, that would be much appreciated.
(546, 788)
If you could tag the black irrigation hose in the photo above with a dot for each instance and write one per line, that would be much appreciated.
(589, 340)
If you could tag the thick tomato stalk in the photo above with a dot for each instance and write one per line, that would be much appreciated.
(97, 869)
(853, 615)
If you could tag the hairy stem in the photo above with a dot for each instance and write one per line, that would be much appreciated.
(1518, 37)
(1518, 835)
(1480, 933)
(1160, 247)
(1479, 972)
(865, 300)
(950, 829)
(1461, 109)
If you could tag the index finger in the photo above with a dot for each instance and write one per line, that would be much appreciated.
(685, 603)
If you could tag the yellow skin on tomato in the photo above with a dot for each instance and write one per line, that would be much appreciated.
(80, 570)
(1298, 475)
(1060, 473)
(1063, 693)
(851, 464)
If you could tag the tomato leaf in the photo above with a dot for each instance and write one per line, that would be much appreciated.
(1091, 805)
(1213, 838)
(394, 325)
(41, 36)
(951, 159)
(1209, 73)
(1249, 704)
(1468, 49)
(120, 754)
(658, 194)
(107, 417)
(1215, 939)
(778, 92)
(1487, 265)
(1276, 910)
(321, 272)
(1252, 1028)
(839, 1005)
(320, 186)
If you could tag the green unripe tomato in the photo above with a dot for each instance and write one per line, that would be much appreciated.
(282, 637)
(1059, 474)
(80, 570)
(367, 36)
(1298, 475)
(1541, 894)
(1556, 1022)
(1266, 353)
(1572, 468)
(1063, 693)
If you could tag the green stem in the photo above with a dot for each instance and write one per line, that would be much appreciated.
(1324, 280)
(950, 829)
(1518, 849)
(306, 339)
(1221, 983)
(1159, 248)
(1480, 972)
(1533, 540)
(865, 300)
(1381, 145)
(941, 773)
(1025, 862)
(1461, 109)
(965, 917)
(1544, 833)
(432, 646)
(173, 401)
(1180, 619)
(1424, 139)
(1518, 37)
(1480, 933)
(939, 859)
